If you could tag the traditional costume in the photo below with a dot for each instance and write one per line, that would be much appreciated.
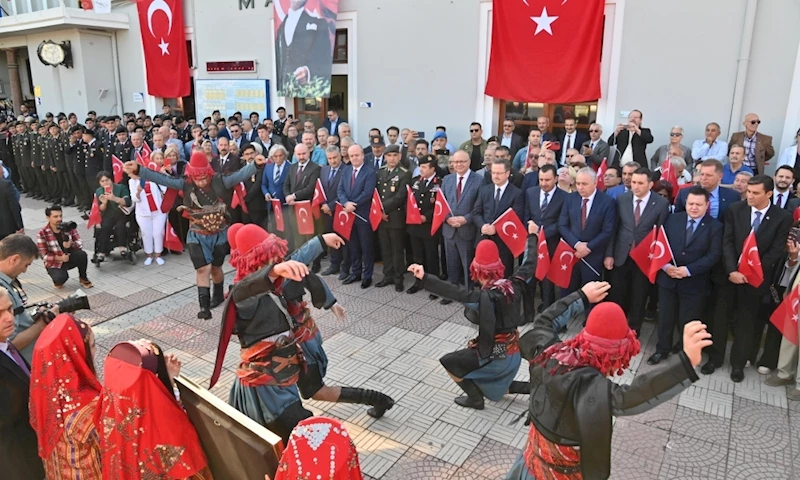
(146, 433)
(208, 217)
(64, 395)
(486, 368)
(572, 400)
(319, 448)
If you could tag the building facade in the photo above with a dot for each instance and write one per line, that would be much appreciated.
(423, 63)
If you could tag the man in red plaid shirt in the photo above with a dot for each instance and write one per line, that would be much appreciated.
(61, 250)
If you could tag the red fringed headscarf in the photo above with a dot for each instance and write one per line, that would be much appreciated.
(62, 378)
(198, 167)
(486, 265)
(270, 251)
(319, 447)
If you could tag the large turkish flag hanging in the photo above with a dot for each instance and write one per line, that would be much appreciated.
(164, 43)
(546, 50)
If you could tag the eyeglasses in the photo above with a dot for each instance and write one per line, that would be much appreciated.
(755, 122)
(542, 155)
(474, 130)
(571, 155)
(675, 134)
(593, 131)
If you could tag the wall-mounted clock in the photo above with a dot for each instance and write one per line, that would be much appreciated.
(55, 54)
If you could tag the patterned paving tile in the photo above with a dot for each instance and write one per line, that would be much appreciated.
(687, 457)
(744, 465)
(642, 442)
(419, 466)
(696, 424)
(659, 417)
(491, 460)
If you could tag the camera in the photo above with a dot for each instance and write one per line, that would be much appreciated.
(73, 303)
(67, 226)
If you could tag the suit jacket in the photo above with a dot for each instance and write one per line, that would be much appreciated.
(392, 189)
(302, 188)
(770, 238)
(270, 186)
(515, 178)
(727, 197)
(311, 45)
(601, 151)
(462, 207)
(530, 180)
(547, 219)
(369, 159)
(10, 211)
(580, 137)
(517, 143)
(254, 199)
(639, 144)
(250, 136)
(764, 149)
(233, 164)
(485, 210)
(425, 196)
(331, 187)
(241, 142)
(327, 125)
(699, 254)
(615, 192)
(627, 233)
(359, 193)
(600, 224)
(20, 459)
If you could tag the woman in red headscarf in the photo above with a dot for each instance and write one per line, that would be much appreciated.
(64, 395)
(319, 447)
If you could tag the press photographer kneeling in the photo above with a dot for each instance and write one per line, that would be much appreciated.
(60, 247)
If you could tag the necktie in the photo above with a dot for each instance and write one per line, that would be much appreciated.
(690, 229)
(18, 358)
(277, 174)
(458, 189)
(150, 200)
(592, 146)
(569, 141)
(757, 222)
(497, 196)
(584, 212)
(299, 173)
(780, 200)
(637, 212)
(353, 180)
(330, 175)
(545, 202)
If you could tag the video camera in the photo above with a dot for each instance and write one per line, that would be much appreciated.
(73, 303)
(67, 226)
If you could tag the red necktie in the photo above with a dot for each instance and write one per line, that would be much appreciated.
(458, 190)
(150, 201)
(584, 212)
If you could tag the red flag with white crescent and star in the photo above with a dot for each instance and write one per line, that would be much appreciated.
(750, 261)
(668, 174)
(543, 257)
(343, 221)
(94, 214)
(413, 216)
(171, 240)
(319, 199)
(785, 316)
(512, 232)
(117, 165)
(441, 209)
(601, 171)
(164, 44)
(305, 222)
(375, 210)
(549, 34)
(277, 210)
(239, 192)
(561, 264)
(652, 253)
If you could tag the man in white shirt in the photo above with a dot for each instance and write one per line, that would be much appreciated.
(711, 146)
(571, 139)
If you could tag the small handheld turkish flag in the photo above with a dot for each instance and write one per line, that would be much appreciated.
(413, 216)
(319, 199)
(343, 222)
(94, 214)
(796, 215)
(171, 241)
(543, 257)
(668, 174)
(305, 224)
(561, 265)
(277, 210)
(116, 164)
(750, 261)
(169, 200)
(511, 231)
(652, 253)
(785, 316)
(441, 210)
(239, 192)
(375, 210)
(601, 185)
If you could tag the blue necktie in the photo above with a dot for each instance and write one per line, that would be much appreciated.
(690, 229)
(545, 202)
(757, 222)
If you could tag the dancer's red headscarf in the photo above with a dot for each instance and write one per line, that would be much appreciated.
(198, 167)
(257, 248)
(319, 447)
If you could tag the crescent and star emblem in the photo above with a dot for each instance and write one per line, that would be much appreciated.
(303, 214)
(155, 6)
(439, 208)
(342, 222)
(657, 246)
(561, 258)
(505, 226)
(751, 260)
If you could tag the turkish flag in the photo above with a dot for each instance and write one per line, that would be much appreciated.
(116, 164)
(305, 223)
(94, 214)
(239, 192)
(601, 185)
(375, 210)
(343, 222)
(278, 212)
(668, 174)
(164, 43)
(561, 264)
(413, 217)
(169, 200)
(652, 253)
(441, 210)
(171, 241)
(511, 231)
(785, 316)
(796, 215)
(546, 50)
(750, 262)
(319, 199)
(543, 257)
(143, 158)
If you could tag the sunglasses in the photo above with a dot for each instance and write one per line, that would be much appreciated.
(755, 122)
(593, 131)
(474, 130)
(675, 134)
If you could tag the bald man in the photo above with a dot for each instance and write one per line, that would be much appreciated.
(758, 147)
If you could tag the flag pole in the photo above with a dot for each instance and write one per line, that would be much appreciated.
(590, 267)
(353, 213)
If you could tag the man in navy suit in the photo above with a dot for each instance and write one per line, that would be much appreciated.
(696, 241)
(572, 139)
(330, 177)
(493, 200)
(587, 222)
(543, 205)
(275, 174)
(625, 186)
(331, 124)
(720, 198)
(355, 195)
(461, 192)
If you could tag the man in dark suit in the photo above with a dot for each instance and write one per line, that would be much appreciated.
(638, 211)
(511, 140)
(330, 176)
(631, 140)
(392, 180)
(493, 200)
(771, 226)
(228, 162)
(696, 241)
(257, 208)
(375, 158)
(304, 46)
(332, 122)
(572, 138)
(275, 175)
(10, 210)
(720, 198)
(299, 186)
(595, 149)
(784, 181)
(355, 192)
(424, 244)
(587, 222)
(543, 205)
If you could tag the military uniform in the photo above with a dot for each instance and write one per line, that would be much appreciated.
(40, 166)
(7, 157)
(425, 246)
(392, 188)
(93, 155)
(71, 186)
(75, 155)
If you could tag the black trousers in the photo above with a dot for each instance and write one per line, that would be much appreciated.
(426, 253)
(77, 259)
(629, 289)
(256, 217)
(113, 221)
(53, 188)
(676, 309)
(393, 252)
(41, 181)
(745, 303)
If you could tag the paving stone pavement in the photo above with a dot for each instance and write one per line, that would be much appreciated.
(392, 341)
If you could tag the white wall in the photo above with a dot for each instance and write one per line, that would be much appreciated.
(63, 89)
(101, 87)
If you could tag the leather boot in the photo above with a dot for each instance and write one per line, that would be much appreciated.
(474, 398)
(520, 387)
(219, 295)
(204, 298)
(380, 403)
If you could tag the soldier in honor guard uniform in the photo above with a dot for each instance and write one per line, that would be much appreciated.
(26, 147)
(16, 149)
(40, 161)
(93, 154)
(105, 137)
(122, 147)
(392, 182)
(424, 245)
(55, 150)
(74, 152)
(72, 186)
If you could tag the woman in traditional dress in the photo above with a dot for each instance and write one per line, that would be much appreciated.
(64, 396)
(319, 447)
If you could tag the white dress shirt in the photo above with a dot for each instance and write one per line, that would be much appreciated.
(644, 200)
(784, 198)
(506, 141)
(291, 21)
(567, 138)
(549, 194)
(763, 211)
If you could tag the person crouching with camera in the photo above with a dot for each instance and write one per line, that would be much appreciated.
(60, 247)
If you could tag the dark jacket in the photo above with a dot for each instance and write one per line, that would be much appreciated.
(425, 196)
(639, 145)
(393, 192)
(10, 212)
(699, 254)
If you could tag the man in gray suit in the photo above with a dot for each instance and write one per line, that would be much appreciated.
(596, 149)
(461, 191)
(638, 212)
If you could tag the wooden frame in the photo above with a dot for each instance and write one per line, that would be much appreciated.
(586, 113)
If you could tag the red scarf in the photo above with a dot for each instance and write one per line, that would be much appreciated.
(150, 200)
(62, 380)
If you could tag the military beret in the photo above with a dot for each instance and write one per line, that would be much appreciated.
(428, 160)
(493, 138)
(88, 131)
(393, 149)
(76, 128)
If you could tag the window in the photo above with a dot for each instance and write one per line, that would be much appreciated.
(526, 114)
(340, 46)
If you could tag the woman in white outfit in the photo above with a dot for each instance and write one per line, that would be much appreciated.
(152, 221)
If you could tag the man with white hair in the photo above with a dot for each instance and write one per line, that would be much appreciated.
(344, 131)
(674, 146)
(596, 149)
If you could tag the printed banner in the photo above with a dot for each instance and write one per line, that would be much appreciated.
(304, 39)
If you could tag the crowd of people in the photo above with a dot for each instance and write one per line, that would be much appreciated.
(280, 195)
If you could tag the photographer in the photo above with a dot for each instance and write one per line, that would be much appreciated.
(17, 252)
(60, 247)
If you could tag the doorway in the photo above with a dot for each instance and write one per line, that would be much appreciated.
(315, 109)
